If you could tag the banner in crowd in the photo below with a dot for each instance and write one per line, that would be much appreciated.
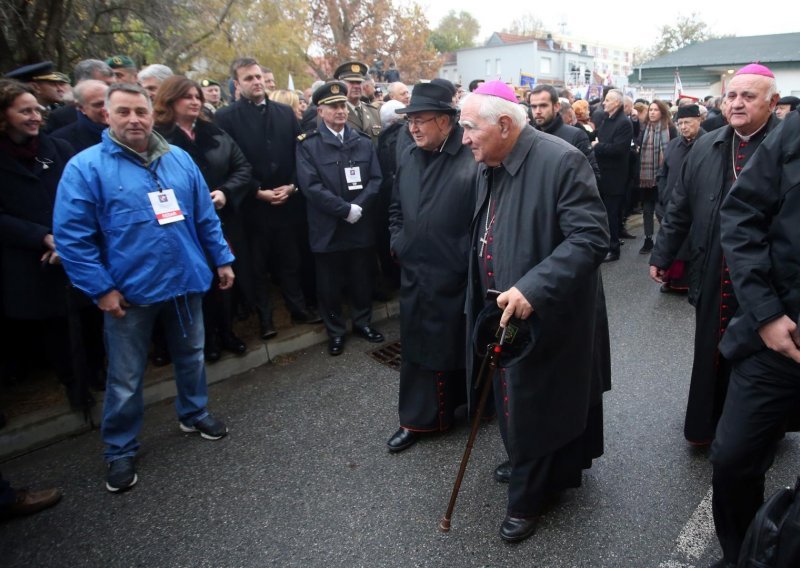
(526, 80)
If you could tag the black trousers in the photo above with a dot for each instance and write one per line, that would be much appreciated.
(345, 273)
(764, 391)
(276, 249)
(613, 205)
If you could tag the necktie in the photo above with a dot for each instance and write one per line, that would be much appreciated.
(340, 136)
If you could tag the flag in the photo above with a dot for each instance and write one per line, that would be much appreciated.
(291, 83)
(526, 80)
(678, 88)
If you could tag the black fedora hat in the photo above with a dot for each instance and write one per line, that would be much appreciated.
(429, 97)
(520, 336)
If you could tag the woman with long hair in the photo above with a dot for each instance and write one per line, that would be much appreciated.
(657, 131)
(179, 118)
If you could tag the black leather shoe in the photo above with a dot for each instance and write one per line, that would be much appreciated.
(336, 345)
(401, 440)
(233, 344)
(307, 316)
(647, 247)
(370, 334)
(267, 330)
(502, 473)
(516, 530)
(611, 257)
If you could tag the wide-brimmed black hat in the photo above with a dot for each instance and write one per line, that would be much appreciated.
(520, 339)
(790, 100)
(429, 97)
(688, 111)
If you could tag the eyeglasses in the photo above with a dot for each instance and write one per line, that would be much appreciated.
(417, 122)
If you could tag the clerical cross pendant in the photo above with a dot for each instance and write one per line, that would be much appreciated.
(483, 242)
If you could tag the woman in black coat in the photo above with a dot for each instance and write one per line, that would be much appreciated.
(33, 284)
(179, 118)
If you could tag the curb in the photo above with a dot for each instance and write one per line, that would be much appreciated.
(48, 426)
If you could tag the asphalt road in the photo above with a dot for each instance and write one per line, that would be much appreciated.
(304, 478)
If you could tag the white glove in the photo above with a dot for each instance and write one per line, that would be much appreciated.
(355, 213)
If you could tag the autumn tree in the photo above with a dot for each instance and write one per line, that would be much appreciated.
(370, 31)
(455, 31)
(686, 31)
(526, 25)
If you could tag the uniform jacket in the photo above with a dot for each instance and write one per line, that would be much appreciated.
(760, 234)
(108, 235)
(613, 151)
(575, 136)
(266, 134)
(365, 118)
(321, 161)
(31, 290)
(693, 209)
(432, 205)
(674, 155)
(550, 236)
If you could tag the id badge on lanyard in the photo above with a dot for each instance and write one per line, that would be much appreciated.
(352, 174)
(165, 204)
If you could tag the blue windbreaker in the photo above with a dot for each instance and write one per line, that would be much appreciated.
(107, 233)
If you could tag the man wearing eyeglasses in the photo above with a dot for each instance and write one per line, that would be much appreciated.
(339, 174)
(429, 219)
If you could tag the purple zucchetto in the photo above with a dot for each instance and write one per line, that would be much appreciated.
(755, 69)
(497, 89)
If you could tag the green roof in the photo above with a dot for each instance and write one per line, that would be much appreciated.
(732, 51)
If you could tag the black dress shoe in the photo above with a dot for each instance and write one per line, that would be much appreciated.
(516, 530)
(233, 344)
(502, 473)
(370, 334)
(267, 330)
(307, 316)
(336, 345)
(611, 257)
(401, 440)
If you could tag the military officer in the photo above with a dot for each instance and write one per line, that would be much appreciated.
(339, 174)
(361, 116)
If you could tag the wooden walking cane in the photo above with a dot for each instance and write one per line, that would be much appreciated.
(486, 374)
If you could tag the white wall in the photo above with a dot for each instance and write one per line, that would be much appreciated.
(788, 81)
(513, 58)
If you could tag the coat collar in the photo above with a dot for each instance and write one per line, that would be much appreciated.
(519, 152)
(453, 144)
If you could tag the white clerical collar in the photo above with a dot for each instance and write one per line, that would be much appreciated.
(747, 138)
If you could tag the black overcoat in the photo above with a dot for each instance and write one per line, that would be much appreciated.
(321, 161)
(674, 155)
(612, 151)
(429, 219)
(550, 236)
(31, 290)
(78, 134)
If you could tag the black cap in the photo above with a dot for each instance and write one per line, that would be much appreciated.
(32, 72)
(209, 83)
(429, 97)
(519, 341)
(351, 71)
(790, 100)
(329, 93)
(688, 111)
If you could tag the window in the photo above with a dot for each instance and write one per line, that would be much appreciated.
(544, 65)
(488, 67)
(497, 66)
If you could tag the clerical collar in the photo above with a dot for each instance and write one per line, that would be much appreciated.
(747, 138)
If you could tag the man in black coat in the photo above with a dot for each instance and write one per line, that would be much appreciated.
(339, 173)
(760, 226)
(693, 212)
(90, 106)
(688, 121)
(539, 235)
(547, 117)
(432, 205)
(612, 150)
(273, 215)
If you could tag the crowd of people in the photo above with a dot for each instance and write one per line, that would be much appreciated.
(173, 209)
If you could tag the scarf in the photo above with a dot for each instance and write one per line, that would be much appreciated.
(654, 141)
(24, 153)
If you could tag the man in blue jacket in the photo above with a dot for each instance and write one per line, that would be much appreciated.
(136, 230)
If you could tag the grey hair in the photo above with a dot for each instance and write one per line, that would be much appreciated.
(128, 88)
(620, 95)
(388, 116)
(80, 89)
(491, 108)
(88, 68)
(155, 71)
(393, 87)
(773, 88)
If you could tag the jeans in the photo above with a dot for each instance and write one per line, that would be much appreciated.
(127, 340)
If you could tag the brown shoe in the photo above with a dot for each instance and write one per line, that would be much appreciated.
(30, 502)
